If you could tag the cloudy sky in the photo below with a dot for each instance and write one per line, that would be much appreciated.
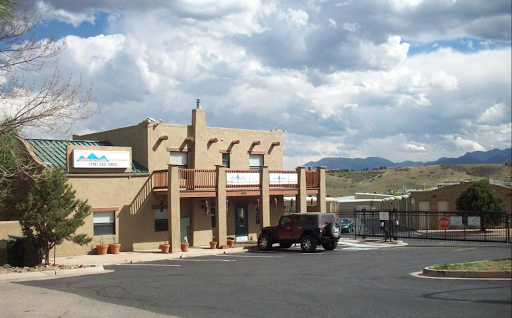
(398, 79)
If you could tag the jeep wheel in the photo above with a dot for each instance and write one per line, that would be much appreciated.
(308, 244)
(329, 246)
(265, 242)
(333, 230)
(285, 245)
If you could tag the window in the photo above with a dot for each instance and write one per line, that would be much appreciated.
(212, 213)
(225, 160)
(161, 224)
(104, 223)
(297, 220)
(255, 161)
(180, 159)
(285, 221)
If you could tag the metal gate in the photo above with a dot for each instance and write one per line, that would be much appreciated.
(484, 227)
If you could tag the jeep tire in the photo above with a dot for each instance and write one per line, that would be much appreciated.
(308, 244)
(265, 242)
(329, 246)
(333, 229)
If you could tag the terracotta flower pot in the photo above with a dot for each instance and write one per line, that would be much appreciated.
(165, 248)
(184, 247)
(213, 245)
(231, 243)
(114, 248)
(102, 249)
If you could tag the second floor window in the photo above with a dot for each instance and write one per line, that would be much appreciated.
(225, 160)
(255, 161)
(180, 159)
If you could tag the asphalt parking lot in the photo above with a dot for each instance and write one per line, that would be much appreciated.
(351, 281)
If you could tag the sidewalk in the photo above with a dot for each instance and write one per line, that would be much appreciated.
(94, 263)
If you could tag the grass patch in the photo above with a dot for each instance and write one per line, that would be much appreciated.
(495, 265)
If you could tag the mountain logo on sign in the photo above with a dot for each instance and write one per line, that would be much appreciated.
(93, 158)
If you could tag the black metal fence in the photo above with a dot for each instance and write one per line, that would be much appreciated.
(484, 227)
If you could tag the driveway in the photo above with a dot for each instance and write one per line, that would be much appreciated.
(346, 282)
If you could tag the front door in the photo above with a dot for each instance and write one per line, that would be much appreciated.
(241, 222)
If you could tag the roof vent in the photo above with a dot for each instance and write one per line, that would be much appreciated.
(198, 103)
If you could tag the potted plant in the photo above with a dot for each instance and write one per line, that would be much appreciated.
(184, 246)
(101, 248)
(165, 247)
(213, 243)
(113, 248)
(231, 242)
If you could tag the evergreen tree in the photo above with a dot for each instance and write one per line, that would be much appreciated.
(52, 214)
(480, 197)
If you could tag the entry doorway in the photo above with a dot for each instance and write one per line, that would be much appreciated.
(241, 222)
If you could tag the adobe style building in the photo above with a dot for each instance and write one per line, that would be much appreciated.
(443, 198)
(154, 182)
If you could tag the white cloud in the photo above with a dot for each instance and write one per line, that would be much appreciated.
(495, 114)
(49, 12)
(351, 91)
(464, 145)
(351, 26)
(442, 80)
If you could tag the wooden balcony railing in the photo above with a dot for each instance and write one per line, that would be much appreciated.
(312, 179)
(191, 179)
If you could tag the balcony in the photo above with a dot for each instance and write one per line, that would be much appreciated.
(206, 180)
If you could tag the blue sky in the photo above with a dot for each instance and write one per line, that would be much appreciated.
(399, 79)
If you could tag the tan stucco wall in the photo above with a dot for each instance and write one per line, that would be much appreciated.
(152, 152)
(9, 228)
(133, 225)
(132, 136)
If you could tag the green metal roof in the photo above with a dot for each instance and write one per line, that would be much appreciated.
(53, 152)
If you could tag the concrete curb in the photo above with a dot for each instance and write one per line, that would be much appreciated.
(466, 274)
(52, 274)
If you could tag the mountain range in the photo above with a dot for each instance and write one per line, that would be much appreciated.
(494, 156)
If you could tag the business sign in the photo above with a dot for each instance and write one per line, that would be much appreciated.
(283, 178)
(243, 178)
(473, 220)
(384, 216)
(101, 159)
(456, 220)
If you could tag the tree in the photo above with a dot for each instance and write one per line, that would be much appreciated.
(52, 214)
(6, 9)
(480, 197)
(52, 104)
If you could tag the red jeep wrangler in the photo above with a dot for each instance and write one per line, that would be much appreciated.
(309, 229)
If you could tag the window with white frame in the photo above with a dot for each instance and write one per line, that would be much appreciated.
(255, 162)
(179, 158)
(104, 223)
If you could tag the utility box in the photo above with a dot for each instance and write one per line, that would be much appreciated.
(22, 253)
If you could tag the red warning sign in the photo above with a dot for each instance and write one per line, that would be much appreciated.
(444, 222)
